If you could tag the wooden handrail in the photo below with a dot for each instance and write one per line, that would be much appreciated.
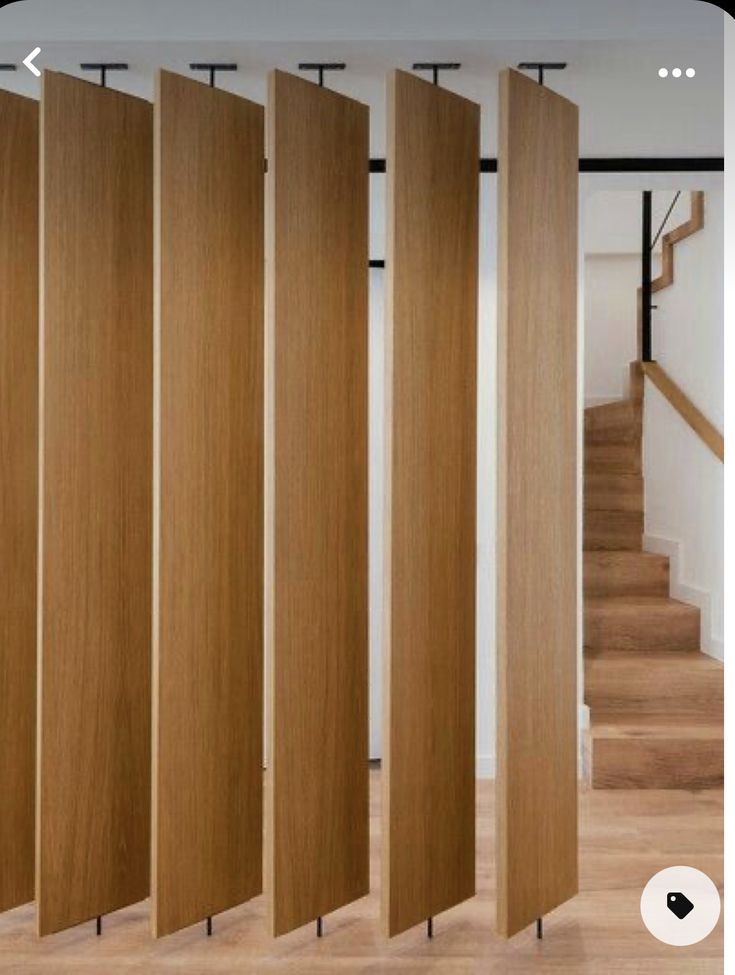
(686, 229)
(685, 408)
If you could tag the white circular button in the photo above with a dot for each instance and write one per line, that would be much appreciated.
(663, 72)
(676, 72)
(680, 906)
(690, 72)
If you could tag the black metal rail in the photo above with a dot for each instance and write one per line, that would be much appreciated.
(646, 276)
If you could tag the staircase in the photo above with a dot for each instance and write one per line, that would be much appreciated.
(655, 700)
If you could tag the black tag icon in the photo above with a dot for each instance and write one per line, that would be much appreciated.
(679, 904)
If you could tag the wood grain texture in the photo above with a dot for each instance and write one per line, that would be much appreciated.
(316, 501)
(695, 221)
(93, 811)
(625, 837)
(660, 682)
(625, 573)
(638, 622)
(656, 752)
(537, 503)
(431, 367)
(613, 492)
(208, 570)
(676, 396)
(613, 530)
(18, 492)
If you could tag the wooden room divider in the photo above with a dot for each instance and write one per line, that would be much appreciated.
(316, 501)
(536, 788)
(94, 770)
(18, 492)
(208, 570)
(431, 366)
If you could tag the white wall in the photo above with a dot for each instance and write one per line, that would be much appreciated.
(486, 478)
(688, 334)
(612, 247)
(684, 481)
(610, 298)
(376, 465)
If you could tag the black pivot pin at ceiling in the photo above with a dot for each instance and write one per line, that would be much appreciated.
(542, 66)
(435, 67)
(320, 67)
(103, 67)
(212, 67)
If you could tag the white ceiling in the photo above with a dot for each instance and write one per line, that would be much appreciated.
(625, 108)
(359, 19)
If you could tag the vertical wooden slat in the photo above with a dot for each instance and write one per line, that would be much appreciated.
(208, 570)
(93, 809)
(536, 796)
(431, 356)
(18, 491)
(316, 501)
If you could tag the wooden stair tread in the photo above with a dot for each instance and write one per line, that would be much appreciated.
(617, 422)
(662, 726)
(667, 667)
(635, 622)
(602, 412)
(646, 659)
(613, 531)
(624, 573)
(666, 603)
(689, 758)
(613, 492)
(615, 457)
(653, 681)
(610, 559)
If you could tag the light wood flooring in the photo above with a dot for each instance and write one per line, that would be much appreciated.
(625, 837)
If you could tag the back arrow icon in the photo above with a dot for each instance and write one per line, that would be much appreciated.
(28, 62)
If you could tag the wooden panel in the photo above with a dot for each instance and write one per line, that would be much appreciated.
(18, 491)
(93, 817)
(625, 837)
(208, 604)
(537, 503)
(431, 367)
(316, 501)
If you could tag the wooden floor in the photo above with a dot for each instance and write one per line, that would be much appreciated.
(626, 836)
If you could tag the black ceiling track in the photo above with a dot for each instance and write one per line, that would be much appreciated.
(618, 164)
(662, 164)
